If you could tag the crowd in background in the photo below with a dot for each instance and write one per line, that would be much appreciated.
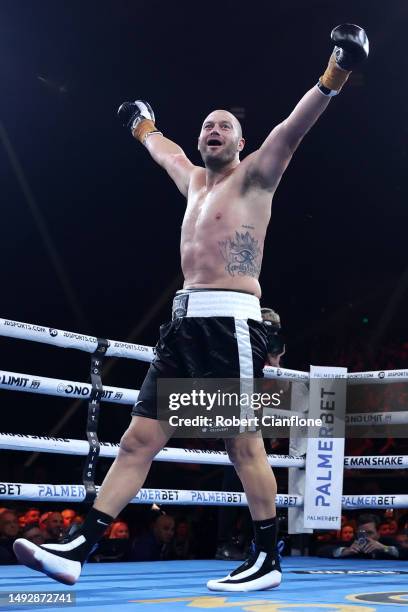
(158, 535)
(368, 535)
(146, 534)
(359, 356)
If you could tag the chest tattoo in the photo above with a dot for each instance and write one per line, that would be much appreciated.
(242, 255)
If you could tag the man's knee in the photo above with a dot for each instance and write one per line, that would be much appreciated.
(139, 439)
(244, 451)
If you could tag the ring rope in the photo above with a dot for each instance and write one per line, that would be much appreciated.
(14, 381)
(359, 419)
(67, 446)
(377, 377)
(66, 339)
(129, 350)
(72, 493)
(76, 493)
(44, 444)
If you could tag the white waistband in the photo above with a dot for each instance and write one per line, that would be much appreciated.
(222, 304)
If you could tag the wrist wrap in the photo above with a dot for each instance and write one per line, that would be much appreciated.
(143, 129)
(334, 77)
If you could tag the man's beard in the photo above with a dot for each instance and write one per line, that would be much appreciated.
(217, 161)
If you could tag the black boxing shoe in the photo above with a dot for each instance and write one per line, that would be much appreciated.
(62, 562)
(259, 572)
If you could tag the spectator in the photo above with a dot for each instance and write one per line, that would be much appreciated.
(393, 525)
(402, 539)
(182, 543)
(156, 544)
(115, 545)
(43, 519)
(347, 533)
(9, 529)
(32, 516)
(21, 520)
(367, 545)
(9, 524)
(403, 523)
(33, 533)
(119, 531)
(388, 528)
(68, 517)
(53, 528)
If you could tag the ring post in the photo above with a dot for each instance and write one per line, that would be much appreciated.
(325, 448)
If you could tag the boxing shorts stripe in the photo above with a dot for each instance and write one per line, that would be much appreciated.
(213, 334)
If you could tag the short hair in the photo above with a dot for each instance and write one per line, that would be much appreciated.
(268, 314)
(348, 525)
(368, 518)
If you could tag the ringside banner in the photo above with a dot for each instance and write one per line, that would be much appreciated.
(325, 448)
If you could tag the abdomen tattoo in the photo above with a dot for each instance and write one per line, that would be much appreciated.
(242, 255)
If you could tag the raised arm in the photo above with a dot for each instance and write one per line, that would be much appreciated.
(271, 160)
(138, 116)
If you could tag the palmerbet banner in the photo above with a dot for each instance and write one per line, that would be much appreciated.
(325, 448)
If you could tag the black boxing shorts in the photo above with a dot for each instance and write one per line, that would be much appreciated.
(214, 333)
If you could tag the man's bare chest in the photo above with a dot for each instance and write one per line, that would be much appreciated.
(219, 207)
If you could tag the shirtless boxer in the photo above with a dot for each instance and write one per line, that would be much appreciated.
(217, 328)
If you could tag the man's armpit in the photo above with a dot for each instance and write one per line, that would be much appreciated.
(254, 179)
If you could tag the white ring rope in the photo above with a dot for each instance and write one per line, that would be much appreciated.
(76, 493)
(15, 381)
(56, 387)
(67, 446)
(360, 419)
(127, 350)
(377, 377)
(18, 491)
(65, 339)
(20, 442)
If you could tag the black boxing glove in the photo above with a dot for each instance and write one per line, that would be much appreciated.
(138, 116)
(351, 48)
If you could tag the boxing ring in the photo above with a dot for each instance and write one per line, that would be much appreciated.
(308, 583)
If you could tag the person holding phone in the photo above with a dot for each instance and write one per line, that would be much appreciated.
(367, 545)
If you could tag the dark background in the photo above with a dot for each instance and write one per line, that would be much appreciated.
(90, 228)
